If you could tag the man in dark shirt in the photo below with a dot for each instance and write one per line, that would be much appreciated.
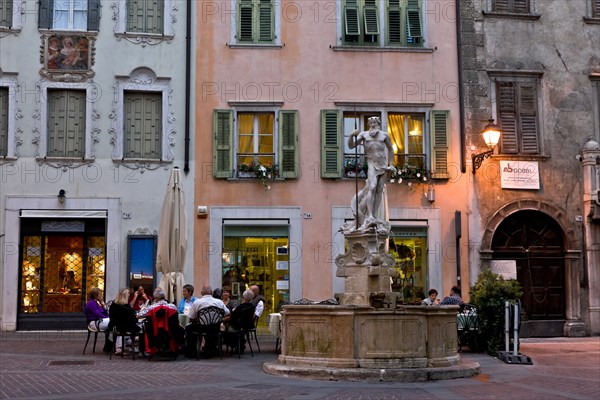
(453, 299)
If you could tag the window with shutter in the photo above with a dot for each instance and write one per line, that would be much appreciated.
(412, 144)
(288, 144)
(440, 143)
(331, 148)
(142, 125)
(517, 114)
(3, 121)
(400, 23)
(595, 8)
(79, 15)
(252, 141)
(145, 16)
(66, 123)
(6, 13)
(511, 6)
(255, 21)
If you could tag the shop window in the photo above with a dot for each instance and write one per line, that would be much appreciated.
(257, 256)
(408, 245)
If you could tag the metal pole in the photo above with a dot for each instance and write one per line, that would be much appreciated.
(516, 330)
(506, 326)
(356, 170)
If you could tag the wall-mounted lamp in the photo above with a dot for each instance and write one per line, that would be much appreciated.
(491, 135)
(61, 196)
(430, 194)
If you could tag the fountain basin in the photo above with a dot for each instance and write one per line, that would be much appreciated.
(410, 343)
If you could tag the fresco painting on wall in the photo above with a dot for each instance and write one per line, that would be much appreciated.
(66, 53)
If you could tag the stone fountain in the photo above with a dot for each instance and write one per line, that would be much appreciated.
(367, 336)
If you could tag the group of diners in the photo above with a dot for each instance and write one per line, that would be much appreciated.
(128, 311)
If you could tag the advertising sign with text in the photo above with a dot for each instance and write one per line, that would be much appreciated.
(519, 175)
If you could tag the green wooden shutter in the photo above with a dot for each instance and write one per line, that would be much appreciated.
(45, 14)
(6, 13)
(222, 143)
(331, 144)
(413, 19)
(371, 17)
(440, 143)
(528, 118)
(154, 14)
(288, 144)
(506, 100)
(135, 15)
(351, 18)
(75, 135)
(3, 121)
(93, 15)
(245, 21)
(66, 123)
(394, 23)
(142, 125)
(500, 5)
(265, 21)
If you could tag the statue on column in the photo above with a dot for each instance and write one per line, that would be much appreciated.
(370, 203)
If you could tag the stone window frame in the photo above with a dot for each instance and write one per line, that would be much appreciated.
(235, 43)
(10, 81)
(142, 79)
(120, 29)
(533, 14)
(92, 131)
(592, 15)
(18, 17)
(520, 76)
(382, 46)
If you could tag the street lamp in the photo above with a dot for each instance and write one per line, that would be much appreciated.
(491, 135)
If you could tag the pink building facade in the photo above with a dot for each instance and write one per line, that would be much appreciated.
(280, 84)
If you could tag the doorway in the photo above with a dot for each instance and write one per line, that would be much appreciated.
(535, 241)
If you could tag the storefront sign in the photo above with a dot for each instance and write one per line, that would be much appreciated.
(506, 268)
(519, 175)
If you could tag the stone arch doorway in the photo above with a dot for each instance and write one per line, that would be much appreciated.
(535, 241)
(559, 239)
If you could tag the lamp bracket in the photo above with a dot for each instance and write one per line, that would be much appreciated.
(477, 159)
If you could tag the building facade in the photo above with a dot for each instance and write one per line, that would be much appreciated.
(92, 122)
(280, 86)
(530, 210)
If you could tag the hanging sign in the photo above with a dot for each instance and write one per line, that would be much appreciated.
(519, 175)
(506, 268)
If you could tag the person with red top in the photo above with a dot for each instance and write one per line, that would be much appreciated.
(139, 299)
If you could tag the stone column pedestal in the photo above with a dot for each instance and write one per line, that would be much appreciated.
(367, 271)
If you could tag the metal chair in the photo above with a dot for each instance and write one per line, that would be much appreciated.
(241, 327)
(467, 323)
(116, 334)
(95, 332)
(252, 333)
(209, 320)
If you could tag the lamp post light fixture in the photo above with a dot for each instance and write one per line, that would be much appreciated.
(61, 196)
(491, 135)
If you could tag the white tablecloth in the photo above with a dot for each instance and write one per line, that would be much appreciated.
(273, 321)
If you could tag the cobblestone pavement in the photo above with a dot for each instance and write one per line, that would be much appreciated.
(50, 365)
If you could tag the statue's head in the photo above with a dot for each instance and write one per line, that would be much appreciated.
(374, 122)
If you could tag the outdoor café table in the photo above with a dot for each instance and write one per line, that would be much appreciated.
(184, 319)
(274, 321)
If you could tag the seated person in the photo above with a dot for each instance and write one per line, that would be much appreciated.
(159, 300)
(258, 301)
(207, 300)
(238, 319)
(185, 304)
(226, 298)
(97, 316)
(122, 316)
(139, 299)
(453, 299)
(431, 299)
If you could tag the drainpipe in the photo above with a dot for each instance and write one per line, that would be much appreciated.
(188, 68)
(461, 101)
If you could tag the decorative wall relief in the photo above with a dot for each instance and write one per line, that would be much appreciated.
(67, 57)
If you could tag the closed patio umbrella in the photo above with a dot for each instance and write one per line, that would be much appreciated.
(172, 239)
